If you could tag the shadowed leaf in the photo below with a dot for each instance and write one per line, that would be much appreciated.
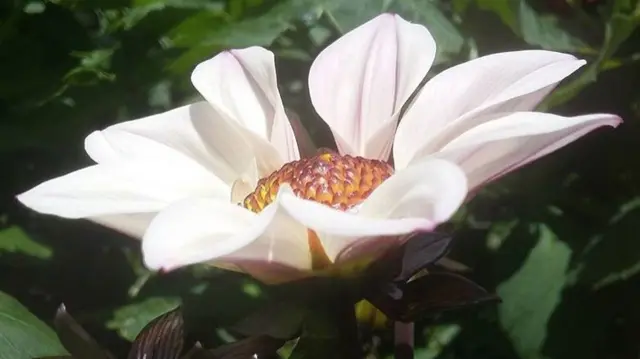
(278, 319)
(422, 251)
(262, 346)
(75, 339)
(130, 319)
(429, 295)
(416, 254)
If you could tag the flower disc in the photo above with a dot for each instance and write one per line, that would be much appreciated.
(341, 182)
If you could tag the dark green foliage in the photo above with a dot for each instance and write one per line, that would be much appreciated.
(557, 241)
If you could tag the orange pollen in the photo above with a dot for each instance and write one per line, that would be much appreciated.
(341, 182)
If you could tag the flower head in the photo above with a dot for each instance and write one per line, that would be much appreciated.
(223, 181)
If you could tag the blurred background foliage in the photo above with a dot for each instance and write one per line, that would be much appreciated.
(558, 240)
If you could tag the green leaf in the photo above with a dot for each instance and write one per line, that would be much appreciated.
(130, 319)
(531, 295)
(534, 28)
(544, 31)
(15, 240)
(504, 9)
(34, 7)
(319, 339)
(23, 336)
(204, 39)
(438, 338)
(347, 15)
(617, 30)
(329, 331)
(613, 256)
(142, 8)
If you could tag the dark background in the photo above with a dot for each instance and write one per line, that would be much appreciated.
(558, 240)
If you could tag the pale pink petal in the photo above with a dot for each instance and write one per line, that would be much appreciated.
(360, 82)
(454, 100)
(242, 87)
(433, 189)
(112, 189)
(192, 133)
(280, 254)
(201, 230)
(322, 218)
(276, 240)
(508, 142)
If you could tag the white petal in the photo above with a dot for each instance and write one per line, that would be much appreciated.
(501, 145)
(199, 230)
(131, 224)
(432, 189)
(242, 87)
(192, 133)
(454, 100)
(322, 218)
(280, 254)
(330, 223)
(360, 82)
(122, 188)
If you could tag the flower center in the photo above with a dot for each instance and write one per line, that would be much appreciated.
(341, 182)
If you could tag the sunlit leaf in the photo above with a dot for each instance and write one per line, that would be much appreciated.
(207, 33)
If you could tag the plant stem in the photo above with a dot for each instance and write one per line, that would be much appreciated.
(348, 328)
(404, 337)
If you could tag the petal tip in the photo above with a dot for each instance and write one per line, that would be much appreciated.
(153, 262)
(616, 121)
(34, 201)
(24, 198)
(579, 62)
(611, 120)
